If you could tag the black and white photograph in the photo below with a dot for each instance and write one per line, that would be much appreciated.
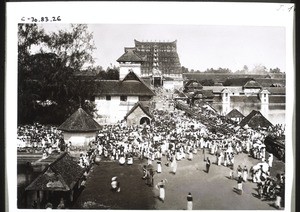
(188, 106)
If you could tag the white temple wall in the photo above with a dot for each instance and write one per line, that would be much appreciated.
(126, 67)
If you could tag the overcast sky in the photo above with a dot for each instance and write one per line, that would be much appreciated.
(199, 46)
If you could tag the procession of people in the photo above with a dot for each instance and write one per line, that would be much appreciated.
(172, 136)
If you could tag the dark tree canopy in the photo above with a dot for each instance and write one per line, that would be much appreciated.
(48, 92)
(275, 70)
(219, 70)
(74, 47)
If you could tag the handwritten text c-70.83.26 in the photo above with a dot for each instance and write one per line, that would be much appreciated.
(41, 19)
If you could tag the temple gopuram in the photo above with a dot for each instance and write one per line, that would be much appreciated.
(159, 57)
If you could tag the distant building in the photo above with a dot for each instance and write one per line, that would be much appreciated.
(251, 87)
(192, 86)
(130, 61)
(138, 114)
(115, 98)
(156, 62)
(80, 129)
(264, 96)
(235, 115)
(256, 120)
(249, 92)
(61, 179)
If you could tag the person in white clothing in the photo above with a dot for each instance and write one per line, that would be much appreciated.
(115, 185)
(161, 187)
(158, 166)
(189, 202)
(270, 160)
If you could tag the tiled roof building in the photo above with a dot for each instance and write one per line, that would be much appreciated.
(131, 85)
(80, 121)
(80, 129)
(255, 120)
(115, 98)
(60, 175)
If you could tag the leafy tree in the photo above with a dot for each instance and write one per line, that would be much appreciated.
(184, 69)
(113, 74)
(47, 76)
(28, 35)
(275, 70)
(219, 71)
(74, 47)
(102, 75)
(207, 82)
(259, 69)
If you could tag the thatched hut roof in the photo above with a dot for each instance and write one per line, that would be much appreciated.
(60, 175)
(234, 113)
(80, 121)
(255, 119)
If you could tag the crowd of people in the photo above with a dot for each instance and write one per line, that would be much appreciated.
(176, 137)
(40, 138)
(173, 136)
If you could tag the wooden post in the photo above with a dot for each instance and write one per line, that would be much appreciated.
(25, 198)
(38, 200)
(71, 195)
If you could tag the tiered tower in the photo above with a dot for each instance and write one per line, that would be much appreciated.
(160, 56)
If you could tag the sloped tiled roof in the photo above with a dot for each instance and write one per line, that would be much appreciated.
(136, 105)
(225, 90)
(222, 77)
(269, 82)
(255, 119)
(204, 93)
(252, 84)
(80, 121)
(119, 88)
(276, 90)
(131, 76)
(245, 99)
(234, 113)
(61, 175)
(240, 81)
(193, 84)
(179, 94)
(264, 91)
(130, 56)
(215, 89)
(206, 106)
(131, 85)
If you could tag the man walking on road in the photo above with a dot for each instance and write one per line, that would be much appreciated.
(189, 202)
(207, 165)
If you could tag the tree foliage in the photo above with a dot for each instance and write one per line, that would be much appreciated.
(218, 71)
(112, 73)
(184, 69)
(259, 69)
(74, 47)
(275, 70)
(207, 82)
(48, 92)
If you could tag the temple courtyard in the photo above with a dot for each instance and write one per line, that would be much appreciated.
(210, 191)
